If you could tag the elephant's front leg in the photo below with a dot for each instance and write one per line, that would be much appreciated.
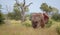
(42, 24)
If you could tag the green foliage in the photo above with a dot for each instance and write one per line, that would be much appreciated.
(10, 15)
(14, 15)
(27, 23)
(27, 15)
(17, 15)
(1, 18)
(48, 24)
(26, 9)
(16, 8)
(17, 12)
(46, 8)
(56, 17)
(58, 29)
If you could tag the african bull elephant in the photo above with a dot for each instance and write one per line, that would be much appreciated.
(39, 19)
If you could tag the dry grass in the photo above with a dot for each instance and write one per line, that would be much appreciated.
(15, 28)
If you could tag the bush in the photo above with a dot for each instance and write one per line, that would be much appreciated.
(1, 18)
(27, 23)
(58, 30)
(48, 24)
(56, 17)
(14, 15)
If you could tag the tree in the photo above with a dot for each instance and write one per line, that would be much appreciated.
(10, 15)
(16, 12)
(23, 7)
(1, 16)
(56, 16)
(46, 8)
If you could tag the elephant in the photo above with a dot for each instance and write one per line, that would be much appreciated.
(39, 19)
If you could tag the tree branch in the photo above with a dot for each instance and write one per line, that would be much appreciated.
(17, 2)
(24, 3)
(28, 5)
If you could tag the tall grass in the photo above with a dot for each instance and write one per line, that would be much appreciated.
(27, 23)
(49, 24)
(58, 30)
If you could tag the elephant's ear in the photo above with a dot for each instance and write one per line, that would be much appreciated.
(46, 15)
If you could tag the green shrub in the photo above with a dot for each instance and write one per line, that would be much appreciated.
(58, 29)
(27, 23)
(48, 24)
(56, 17)
(1, 18)
(14, 15)
(1, 15)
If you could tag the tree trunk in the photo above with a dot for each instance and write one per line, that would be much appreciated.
(22, 15)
